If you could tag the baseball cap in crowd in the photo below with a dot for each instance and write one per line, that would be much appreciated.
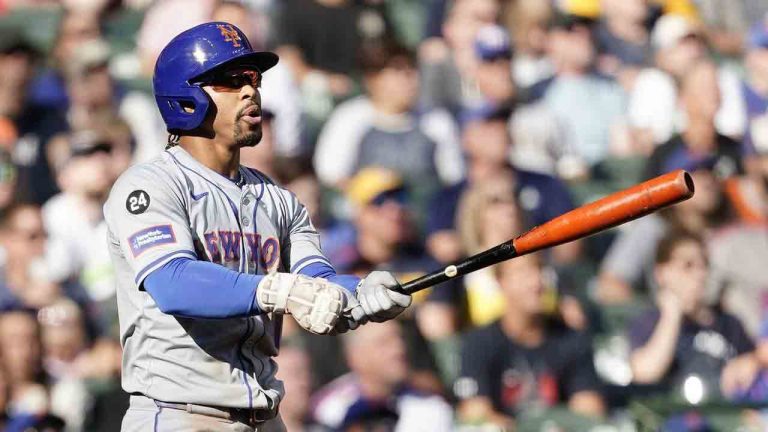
(484, 112)
(374, 185)
(670, 29)
(581, 8)
(567, 21)
(492, 42)
(88, 56)
(86, 143)
(758, 35)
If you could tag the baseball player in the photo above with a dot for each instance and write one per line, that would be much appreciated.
(210, 254)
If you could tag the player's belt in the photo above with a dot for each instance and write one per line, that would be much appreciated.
(242, 415)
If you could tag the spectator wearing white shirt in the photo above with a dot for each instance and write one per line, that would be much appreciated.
(653, 109)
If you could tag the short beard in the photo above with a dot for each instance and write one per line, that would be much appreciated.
(247, 138)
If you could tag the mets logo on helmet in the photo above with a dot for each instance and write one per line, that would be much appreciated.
(230, 34)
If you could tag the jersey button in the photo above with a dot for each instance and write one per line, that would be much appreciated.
(246, 201)
(246, 221)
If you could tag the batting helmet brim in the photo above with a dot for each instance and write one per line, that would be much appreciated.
(261, 60)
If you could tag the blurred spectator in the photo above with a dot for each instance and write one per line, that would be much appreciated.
(653, 105)
(73, 363)
(325, 63)
(63, 341)
(527, 22)
(622, 36)
(381, 219)
(296, 374)
(376, 395)
(87, 165)
(488, 215)
(745, 378)
(595, 131)
(26, 278)
(628, 264)
(26, 126)
(726, 23)
(448, 64)
(487, 145)
(740, 279)
(22, 362)
(89, 86)
(384, 129)
(699, 140)
(527, 360)
(95, 100)
(684, 339)
(298, 176)
(48, 89)
(7, 180)
(493, 75)
(755, 88)
(383, 239)
(749, 193)
(162, 22)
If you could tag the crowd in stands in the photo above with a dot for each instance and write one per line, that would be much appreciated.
(417, 133)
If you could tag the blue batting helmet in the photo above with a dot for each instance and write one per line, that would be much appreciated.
(188, 57)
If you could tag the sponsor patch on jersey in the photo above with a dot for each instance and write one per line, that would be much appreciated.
(151, 237)
(137, 202)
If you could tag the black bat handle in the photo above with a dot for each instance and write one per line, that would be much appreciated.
(486, 258)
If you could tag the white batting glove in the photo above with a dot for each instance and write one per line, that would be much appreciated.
(353, 315)
(315, 303)
(379, 299)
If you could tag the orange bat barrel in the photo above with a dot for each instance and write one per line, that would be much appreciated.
(615, 209)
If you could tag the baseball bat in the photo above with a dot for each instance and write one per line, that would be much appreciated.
(607, 212)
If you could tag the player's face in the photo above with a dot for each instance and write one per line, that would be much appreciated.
(235, 94)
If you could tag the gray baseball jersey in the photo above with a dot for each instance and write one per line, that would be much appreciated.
(173, 206)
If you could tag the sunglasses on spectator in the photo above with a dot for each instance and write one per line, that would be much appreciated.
(102, 147)
(396, 195)
(233, 80)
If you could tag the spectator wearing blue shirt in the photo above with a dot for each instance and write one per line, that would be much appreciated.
(684, 338)
(755, 89)
(487, 145)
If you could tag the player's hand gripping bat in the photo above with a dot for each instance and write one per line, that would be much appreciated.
(615, 209)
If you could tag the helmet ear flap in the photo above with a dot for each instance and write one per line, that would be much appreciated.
(185, 110)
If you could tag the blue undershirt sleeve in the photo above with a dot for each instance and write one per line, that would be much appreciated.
(322, 270)
(200, 289)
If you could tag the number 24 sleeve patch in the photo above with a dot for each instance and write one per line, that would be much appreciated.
(137, 202)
